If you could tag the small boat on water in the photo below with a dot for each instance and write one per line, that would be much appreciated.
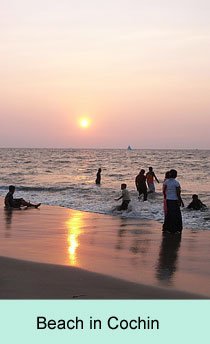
(129, 148)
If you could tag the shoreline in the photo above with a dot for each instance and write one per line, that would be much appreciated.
(98, 257)
(30, 280)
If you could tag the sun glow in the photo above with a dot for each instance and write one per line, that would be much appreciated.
(84, 123)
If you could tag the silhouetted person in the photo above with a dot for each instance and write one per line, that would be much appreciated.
(196, 203)
(125, 198)
(98, 177)
(172, 192)
(141, 186)
(167, 176)
(17, 203)
(150, 176)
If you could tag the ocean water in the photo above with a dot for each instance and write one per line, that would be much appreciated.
(66, 177)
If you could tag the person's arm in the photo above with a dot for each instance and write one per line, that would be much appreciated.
(190, 206)
(164, 190)
(136, 183)
(178, 192)
(182, 203)
(203, 205)
(156, 178)
(6, 202)
(10, 201)
(117, 199)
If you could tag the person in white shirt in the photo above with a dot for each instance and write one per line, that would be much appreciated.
(172, 194)
(125, 198)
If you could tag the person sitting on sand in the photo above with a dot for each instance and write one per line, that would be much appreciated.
(17, 203)
(98, 177)
(125, 198)
(196, 203)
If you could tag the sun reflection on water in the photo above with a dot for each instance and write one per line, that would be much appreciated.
(74, 228)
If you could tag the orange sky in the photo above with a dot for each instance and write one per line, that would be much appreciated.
(138, 69)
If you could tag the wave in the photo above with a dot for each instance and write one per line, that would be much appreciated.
(98, 200)
(63, 161)
(40, 188)
(30, 171)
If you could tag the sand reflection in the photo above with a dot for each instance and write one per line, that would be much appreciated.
(168, 257)
(74, 227)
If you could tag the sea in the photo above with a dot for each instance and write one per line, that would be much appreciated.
(66, 178)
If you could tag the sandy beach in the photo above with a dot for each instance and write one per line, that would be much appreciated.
(59, 253)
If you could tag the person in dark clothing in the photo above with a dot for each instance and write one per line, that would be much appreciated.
(196, 203)
(172, 193)
(98, 177)
(167, 176)
(141, 186)
(17, 203)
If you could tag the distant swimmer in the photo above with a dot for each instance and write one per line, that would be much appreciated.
(125, 198)
(98, 177)
(196, 204)
(141, 186)
(17, 203)
(150, 176)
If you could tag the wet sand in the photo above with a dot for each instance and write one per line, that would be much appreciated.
(60, 253)
(29, 280)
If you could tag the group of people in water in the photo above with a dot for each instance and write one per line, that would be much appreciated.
(172, 201)
(145, 184)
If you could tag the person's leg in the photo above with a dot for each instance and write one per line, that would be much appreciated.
(28, 204)
(151, 187)
(177, 218)
(145, 194)
(124, 205)
(173, 221)
(140, 193)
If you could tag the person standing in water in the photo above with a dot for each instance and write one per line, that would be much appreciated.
(167, 176)
(150, 176)
(172, 192)
(98, 177)
(141, 186)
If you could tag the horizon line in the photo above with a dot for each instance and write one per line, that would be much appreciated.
(103, 148)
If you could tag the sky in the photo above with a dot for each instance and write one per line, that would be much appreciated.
(139, 70)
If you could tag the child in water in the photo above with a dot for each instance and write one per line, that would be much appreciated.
(196, 203)
(125, 198)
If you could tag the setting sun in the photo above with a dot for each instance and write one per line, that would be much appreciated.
(84, 123)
